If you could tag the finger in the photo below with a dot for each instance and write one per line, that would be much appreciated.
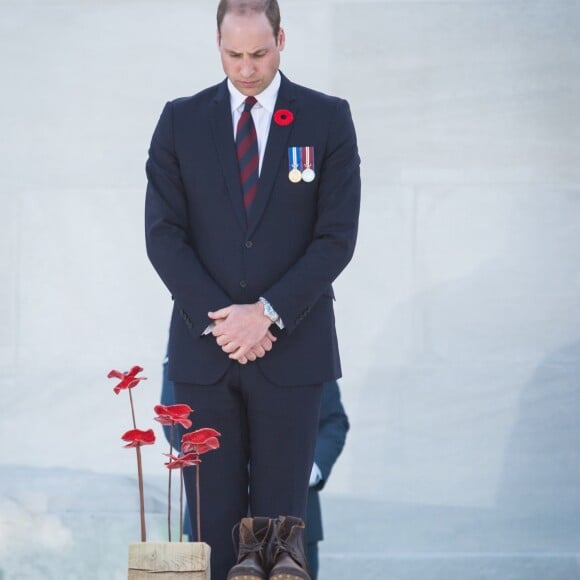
(217, 330)
(230, 348)
(266, 345)
(237, 352)
(222, 339)
(242, 360)
(258, 352)
(237, 356)
(222, 313)
(271, 337)
(251, 356)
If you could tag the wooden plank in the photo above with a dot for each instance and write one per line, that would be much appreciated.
(169, 560)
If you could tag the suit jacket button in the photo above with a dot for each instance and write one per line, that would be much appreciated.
(243, 283)
(249, 244)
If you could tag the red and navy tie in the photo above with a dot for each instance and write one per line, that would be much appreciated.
(247, 151)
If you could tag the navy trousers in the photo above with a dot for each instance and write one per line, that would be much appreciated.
(268, 436)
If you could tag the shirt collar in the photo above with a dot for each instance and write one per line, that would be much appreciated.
(266, 99)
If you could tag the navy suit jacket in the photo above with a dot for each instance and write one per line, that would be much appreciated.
(298, 239)
(332, 430)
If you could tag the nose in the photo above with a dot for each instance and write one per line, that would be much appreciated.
(247, 69)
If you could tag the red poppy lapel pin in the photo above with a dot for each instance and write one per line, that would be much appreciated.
(283, 117)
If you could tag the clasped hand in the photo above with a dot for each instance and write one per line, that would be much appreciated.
(242, 331)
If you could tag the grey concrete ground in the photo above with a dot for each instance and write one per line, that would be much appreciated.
(459, 318)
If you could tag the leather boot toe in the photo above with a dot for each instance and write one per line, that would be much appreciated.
(288, 555)
(255, 536)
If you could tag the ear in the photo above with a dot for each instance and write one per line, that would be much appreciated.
(281, 39)
(217, 38)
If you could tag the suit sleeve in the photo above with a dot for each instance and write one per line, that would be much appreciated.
(166, 226)
(336, 226)
(332, 431)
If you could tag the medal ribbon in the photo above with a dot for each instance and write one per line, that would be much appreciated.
(295, 158)
(307, 155)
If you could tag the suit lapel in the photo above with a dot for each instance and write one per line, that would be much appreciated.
(221, 123)
(276, 148)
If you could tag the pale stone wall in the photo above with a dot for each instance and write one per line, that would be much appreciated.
(458, 317)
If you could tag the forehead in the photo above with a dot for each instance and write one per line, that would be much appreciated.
(250, 31)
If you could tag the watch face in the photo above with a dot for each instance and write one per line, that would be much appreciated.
(269, 311)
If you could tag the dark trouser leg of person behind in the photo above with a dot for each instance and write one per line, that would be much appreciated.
(312, 555)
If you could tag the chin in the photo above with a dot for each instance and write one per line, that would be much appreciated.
(249, 91)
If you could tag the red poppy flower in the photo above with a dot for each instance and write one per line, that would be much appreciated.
(136, 437)
(200, 441)
(172, 414)
(128, 380)
(283, 117)
(181, 462)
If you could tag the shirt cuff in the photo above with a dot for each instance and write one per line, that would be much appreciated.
(208, 329)
(315, 475)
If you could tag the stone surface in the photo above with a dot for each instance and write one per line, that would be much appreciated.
(63, 523)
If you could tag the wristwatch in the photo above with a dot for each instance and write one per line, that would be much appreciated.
(268, 310)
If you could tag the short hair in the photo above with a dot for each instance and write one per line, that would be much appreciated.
(268, 7)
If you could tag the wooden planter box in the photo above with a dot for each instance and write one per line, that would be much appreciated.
(169, 561)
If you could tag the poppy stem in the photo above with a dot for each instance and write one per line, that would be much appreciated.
(132, 409)
(181, 508)
(169, 488)
(141, 493)
(198, 502)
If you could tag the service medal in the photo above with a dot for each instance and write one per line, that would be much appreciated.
(295, 164)
(295, 176)
(308, 173)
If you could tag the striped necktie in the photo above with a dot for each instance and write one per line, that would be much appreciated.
(247, 151)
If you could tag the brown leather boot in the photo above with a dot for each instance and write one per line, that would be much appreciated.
(288, 555)
(255, 535)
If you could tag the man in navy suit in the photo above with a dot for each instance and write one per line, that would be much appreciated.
(249, 245)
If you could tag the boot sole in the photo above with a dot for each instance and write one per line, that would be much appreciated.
(286, 577)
